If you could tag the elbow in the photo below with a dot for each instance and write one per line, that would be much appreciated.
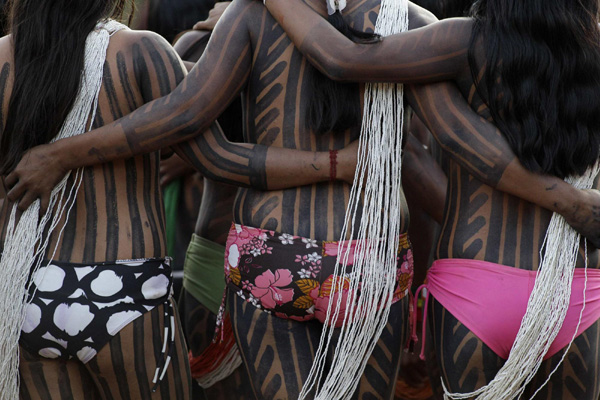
(333, 67)
(339, 73)
(454, 139)
(419, 17)
(426, 18)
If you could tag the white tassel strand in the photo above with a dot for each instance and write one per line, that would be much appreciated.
(26, 244)
(546, 309)
(375, 264)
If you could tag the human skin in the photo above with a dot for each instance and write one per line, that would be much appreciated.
(394, 60)
(213, 223)
(480, 221)
(188, 110)
(117, 202)
(118, 213)
(249, 53)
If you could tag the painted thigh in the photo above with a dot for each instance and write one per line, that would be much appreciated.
(278, 353)
(379, 379)
(198, 321)
(578, 377)
(48, 379)
(467, 363)
(125, 367)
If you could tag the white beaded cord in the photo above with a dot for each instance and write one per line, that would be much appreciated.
(546, 309)
(26, 243)
(377, 234)
(225, 368)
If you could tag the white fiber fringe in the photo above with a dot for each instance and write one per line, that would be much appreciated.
(546, 309)
(375, 263)
(226, 367)
(25, 245)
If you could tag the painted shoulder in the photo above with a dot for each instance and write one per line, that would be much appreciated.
(125, 39)
(145, 46)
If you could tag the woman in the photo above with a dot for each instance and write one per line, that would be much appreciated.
(248, 52)
(89, 306)
(96, 325)
(533, 67)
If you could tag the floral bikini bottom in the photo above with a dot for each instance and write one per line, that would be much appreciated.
(291, 276)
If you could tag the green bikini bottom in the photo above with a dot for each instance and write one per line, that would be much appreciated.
(203, 275)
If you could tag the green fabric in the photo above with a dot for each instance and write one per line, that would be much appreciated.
(203, 275)
(171, 194)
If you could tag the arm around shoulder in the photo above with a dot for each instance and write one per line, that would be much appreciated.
(480, 148)
(413, 56)
(190, 109)
(265, 167)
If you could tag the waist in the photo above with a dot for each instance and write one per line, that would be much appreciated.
(314, 211)
(468, 267)
(106, 279)
(293, 276)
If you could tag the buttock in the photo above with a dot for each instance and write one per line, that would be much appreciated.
(292, 277)
(491, 299)
(75, 309)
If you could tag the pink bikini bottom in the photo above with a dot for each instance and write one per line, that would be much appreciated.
(491, 299)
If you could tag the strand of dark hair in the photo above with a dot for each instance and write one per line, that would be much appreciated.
(48, 39)
(335, 106)
(446, 8)
(542, 79)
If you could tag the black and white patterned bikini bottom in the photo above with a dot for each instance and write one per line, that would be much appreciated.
(78, 308)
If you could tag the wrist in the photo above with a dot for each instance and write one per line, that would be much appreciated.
(333, 165)
(546, 191)
(60, 156)
(566, 199)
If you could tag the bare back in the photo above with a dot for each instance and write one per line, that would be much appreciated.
(276, 98)
(119, 210)
(483, 223)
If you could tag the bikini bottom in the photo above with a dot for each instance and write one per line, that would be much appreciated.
(291, 276)
(76, 309)
(491, 300)
(203, 272)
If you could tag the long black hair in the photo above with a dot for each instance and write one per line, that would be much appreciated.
(3, 17)
(542, 79)
(335, 106)
(446, 8)
(48, 39)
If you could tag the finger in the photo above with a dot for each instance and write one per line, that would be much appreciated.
(44, 204)
(166, 179)
(162, 169)
(11, 179)
(202, 26)
(26, 201)
(4, 186)
(15, 192)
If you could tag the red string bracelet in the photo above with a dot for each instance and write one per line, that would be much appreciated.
(332, 165)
